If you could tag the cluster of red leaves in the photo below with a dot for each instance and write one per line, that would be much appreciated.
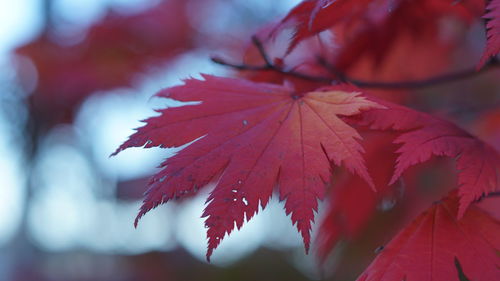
(114, 50)
(376, 37)
(252, 138)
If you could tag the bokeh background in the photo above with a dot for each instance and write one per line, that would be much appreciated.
(76, 76)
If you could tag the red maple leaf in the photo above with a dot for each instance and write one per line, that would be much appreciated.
(255, 136)
(312, 17)
(437, 246)
(493, 31)
(425, 135)
(382, 21)
(352, 204)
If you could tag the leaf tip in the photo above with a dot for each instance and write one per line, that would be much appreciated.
(144, 209)
(209, 254)
(210, 251)
(306, 238)
(136, 221)
(118, 150)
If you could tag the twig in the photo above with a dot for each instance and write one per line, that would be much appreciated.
(493, 194)
(262, 51)
(268, 65)
(341, 77)
(411, 84)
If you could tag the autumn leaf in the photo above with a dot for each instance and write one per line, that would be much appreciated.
(437, 246)
(492, 31)
(397, 30)
(255, 136)
(374, 25)
(425, 136)
(477, 162)
(312, 17)
(351, 203)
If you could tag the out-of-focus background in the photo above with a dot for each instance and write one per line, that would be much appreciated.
(76, 76)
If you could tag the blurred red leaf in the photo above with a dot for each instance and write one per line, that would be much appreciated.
(114, 50)
(385, 40)
(425, 136)
(311, 17)
(492, 31)
(381, 20)
(352, 201)
(437, 246)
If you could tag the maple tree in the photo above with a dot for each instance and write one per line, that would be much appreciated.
(318, 109)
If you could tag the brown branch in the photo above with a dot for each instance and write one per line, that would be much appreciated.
(268, 65)
(341, 77)
(275, 68)
(410, 84)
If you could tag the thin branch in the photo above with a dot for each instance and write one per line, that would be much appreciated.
(240, 66)
(341, 77)
(493, 194)
(411, 84)
(262, 50)
(48, 14)
(272, 67)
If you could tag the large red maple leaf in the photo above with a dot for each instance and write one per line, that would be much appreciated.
(255, 136)
(493, 31)
(437, 246)
(425, 135)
